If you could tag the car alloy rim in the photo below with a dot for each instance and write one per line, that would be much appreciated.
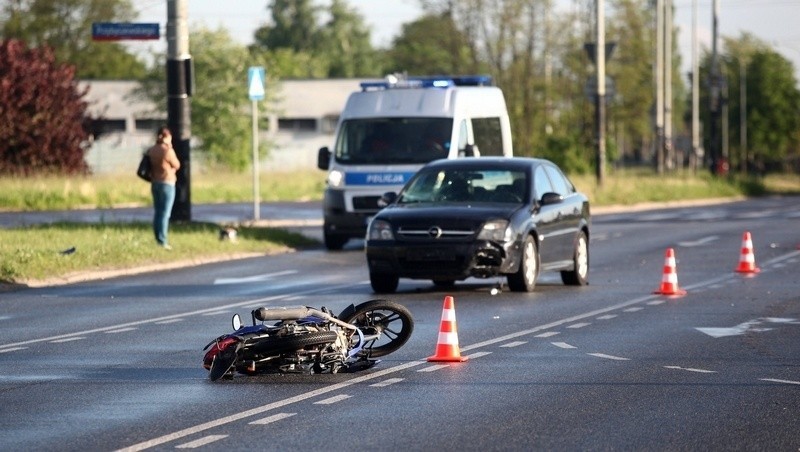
(582, 258)
(530, 263)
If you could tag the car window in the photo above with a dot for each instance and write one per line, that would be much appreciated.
(560, 185)
(541, 182)
(466, 186)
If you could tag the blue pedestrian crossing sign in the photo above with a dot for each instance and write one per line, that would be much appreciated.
(255, 83)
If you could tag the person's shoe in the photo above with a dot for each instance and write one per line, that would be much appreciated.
(166, 246)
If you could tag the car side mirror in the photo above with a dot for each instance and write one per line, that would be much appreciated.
(551, 198)
(324, 158)
(388, 198)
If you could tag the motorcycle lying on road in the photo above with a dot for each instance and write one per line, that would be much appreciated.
(308, 340)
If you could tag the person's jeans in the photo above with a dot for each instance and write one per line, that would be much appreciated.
(163, 198)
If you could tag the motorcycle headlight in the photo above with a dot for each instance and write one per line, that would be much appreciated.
(380, 230)
(495, 230)
(335, 178)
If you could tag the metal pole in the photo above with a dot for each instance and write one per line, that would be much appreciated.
(256, 169)
(668, 148)
(695, 89)
(178, 113)
(601, 93)
(743, 115)
(660, 86)
(714, 98)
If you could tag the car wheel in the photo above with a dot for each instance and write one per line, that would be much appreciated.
(334, 242)
(524, 280)
(383, 283)
(579, 275)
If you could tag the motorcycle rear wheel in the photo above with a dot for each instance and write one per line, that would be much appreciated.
(389, 319)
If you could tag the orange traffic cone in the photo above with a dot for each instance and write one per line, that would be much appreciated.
(669, 281)
(747, 259)
(447, 346)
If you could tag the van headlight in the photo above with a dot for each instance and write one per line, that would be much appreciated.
(380, 230)
(335, 178)
(495, 230)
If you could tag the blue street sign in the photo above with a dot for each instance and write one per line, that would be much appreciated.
(255, 83)
(118, 31)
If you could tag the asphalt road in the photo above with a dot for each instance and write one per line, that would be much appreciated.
(116, 364)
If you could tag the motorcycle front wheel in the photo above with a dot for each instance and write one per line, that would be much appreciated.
(390, 321)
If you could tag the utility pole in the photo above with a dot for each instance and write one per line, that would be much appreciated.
(668, 147)
(601, 93)
(179, 88)
(742, 115)
(659, 86)
(696, 152)
(715, 99)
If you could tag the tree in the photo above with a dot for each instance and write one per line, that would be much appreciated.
(44, 126)
(65, 26)
(342, 45)
(220, 107)
(430, 45)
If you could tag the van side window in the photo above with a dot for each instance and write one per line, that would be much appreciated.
(462, 136)
(488, 136)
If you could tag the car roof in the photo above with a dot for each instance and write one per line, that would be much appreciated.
(519, 163)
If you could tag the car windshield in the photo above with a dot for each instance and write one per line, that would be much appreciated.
(379, 141)
(469, 186)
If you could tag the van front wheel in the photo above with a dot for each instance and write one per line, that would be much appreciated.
(335, 242)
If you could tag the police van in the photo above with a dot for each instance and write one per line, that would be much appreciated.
(390, 128)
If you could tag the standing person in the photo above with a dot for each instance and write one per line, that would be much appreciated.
(165, 165)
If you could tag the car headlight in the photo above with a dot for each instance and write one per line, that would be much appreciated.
(495, 230)
(380, 230)
(335, 178)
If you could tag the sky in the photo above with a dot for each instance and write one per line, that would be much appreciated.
(773, 21)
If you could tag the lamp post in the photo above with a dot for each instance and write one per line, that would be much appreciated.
(179, 88)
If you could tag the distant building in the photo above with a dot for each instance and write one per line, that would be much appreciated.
(301, 120)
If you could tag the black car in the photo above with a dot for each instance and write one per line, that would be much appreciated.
(481, 217)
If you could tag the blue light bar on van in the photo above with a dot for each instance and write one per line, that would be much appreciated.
(428, 82)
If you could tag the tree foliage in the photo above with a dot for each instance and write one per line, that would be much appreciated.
(44, 114)
(341, 47)
(65, 26)
(430, 45)
(219, 106)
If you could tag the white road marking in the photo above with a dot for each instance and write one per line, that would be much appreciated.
(12, 349)
(251, 279)
(775, 380)
(433, 368)
(201, 442)
(387, 382)
(164, 322)
(273, 418)
(603, 355)
(514, 344)
(633, 309)
(217, 312)
(690, 369)
(699, 242)
(563, 345)
(121, 330)
(68, 339)
(655, 302)
(749, 326)
(478, 355)
(579, 325)
(547, 334)
(606, 317)
(332, 400)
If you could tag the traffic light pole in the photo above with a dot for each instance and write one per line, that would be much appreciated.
(179, 88)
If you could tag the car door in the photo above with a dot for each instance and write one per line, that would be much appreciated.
(546, 218)
(568, 214)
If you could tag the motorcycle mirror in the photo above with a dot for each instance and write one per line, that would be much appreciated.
(236, 322)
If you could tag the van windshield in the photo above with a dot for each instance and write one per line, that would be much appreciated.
(381, 141)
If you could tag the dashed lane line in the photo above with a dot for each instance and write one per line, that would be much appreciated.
(604, 356)
(274, 418)
(201, 442)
